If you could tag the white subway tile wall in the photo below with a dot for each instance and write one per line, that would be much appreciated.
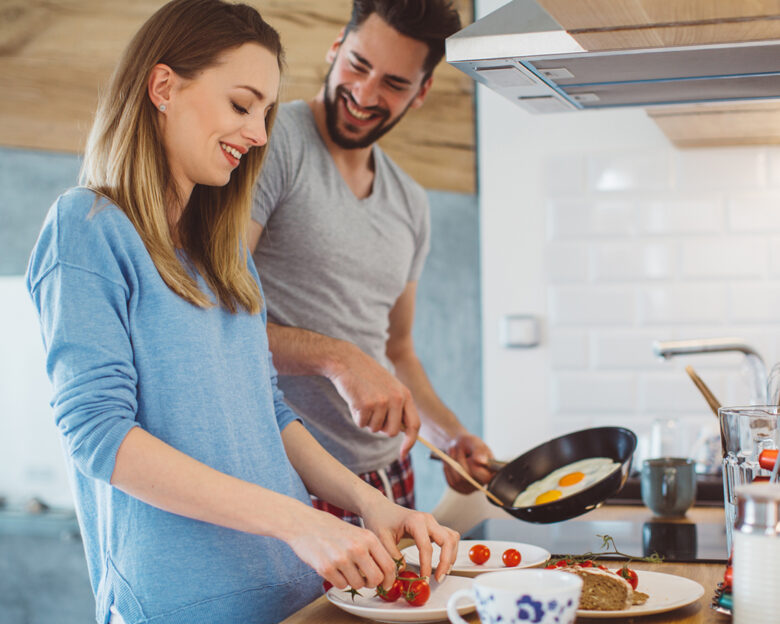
(683, 213)
(568, 262)
(774, 256)
(773, 166)
(734, 168)
(725, 257)
(658, 245)
(635, 171)
(569, 349)
(754, 212)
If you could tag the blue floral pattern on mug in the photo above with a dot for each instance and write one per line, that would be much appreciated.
(527, 610)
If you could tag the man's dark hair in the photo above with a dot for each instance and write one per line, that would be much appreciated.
(429, 21)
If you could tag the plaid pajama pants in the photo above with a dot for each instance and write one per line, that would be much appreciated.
(397, 478)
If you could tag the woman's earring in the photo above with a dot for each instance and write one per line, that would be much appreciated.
(162, 107)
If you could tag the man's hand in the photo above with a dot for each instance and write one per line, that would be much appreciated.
(376, 399)
(471, 453)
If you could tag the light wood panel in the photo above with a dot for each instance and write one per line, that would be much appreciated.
(609, 25)
(595, 14)
(55, 54)
(714, 125)
(679, 35)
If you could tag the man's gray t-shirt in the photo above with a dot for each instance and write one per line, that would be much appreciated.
(335, 264)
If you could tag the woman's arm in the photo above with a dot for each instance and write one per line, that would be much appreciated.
(326, 478)
(158, 474)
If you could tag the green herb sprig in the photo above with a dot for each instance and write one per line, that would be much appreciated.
(609, 551)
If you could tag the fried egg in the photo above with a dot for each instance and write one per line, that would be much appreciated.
(566, 481)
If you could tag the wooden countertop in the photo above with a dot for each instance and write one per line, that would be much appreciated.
(708, 574)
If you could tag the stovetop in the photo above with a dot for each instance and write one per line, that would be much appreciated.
(702, 542)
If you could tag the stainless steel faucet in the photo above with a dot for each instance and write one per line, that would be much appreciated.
(671, 348)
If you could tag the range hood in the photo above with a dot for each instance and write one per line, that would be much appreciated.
(521, 52)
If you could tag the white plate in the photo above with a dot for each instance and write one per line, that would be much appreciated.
(666, 592)
(435, 610)
(530, 557)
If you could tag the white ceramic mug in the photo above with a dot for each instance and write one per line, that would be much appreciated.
(530, 596)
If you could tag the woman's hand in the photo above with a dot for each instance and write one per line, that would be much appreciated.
(391, 522)
(341, 552)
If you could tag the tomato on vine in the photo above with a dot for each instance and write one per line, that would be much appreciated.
(418, 593)
(392, 594)
(406, 577)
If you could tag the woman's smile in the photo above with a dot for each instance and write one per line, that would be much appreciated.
(233, 154)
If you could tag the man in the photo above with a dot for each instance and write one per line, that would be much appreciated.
(340, 235)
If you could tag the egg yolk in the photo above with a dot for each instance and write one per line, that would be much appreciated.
(571, 479)
(547, 497)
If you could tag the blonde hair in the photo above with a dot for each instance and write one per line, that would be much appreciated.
(125, 161)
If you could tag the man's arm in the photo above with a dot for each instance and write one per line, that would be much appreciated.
(375, 397)
(439, 423)
(253, 234)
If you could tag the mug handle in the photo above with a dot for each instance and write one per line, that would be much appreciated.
(452, 609)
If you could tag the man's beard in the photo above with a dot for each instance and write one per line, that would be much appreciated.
(331, 119)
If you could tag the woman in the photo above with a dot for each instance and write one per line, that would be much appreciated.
(190, 473)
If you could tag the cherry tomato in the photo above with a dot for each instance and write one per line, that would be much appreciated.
(326, 585)
(564, 563)
(418, 594)
(406, 577)
(511, 557)
(728, 577)
(479, 553)
(605, 568)
(552, 566)
(392, 594)
(628, 574)
(586, 564)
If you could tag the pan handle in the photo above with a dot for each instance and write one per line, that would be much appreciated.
(495, 464)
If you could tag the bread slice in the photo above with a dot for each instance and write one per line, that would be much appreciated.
(602, 590)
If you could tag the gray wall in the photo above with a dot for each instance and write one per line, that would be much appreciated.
(29, 182)
(447, 326)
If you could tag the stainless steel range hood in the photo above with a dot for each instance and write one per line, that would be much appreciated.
(521, 52)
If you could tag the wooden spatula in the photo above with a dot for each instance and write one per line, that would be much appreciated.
(460, 470)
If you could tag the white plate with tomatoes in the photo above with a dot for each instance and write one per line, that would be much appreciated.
(666, 592)
(371, 606)
(469, 556)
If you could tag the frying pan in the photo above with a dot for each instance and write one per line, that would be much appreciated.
(616, 443)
